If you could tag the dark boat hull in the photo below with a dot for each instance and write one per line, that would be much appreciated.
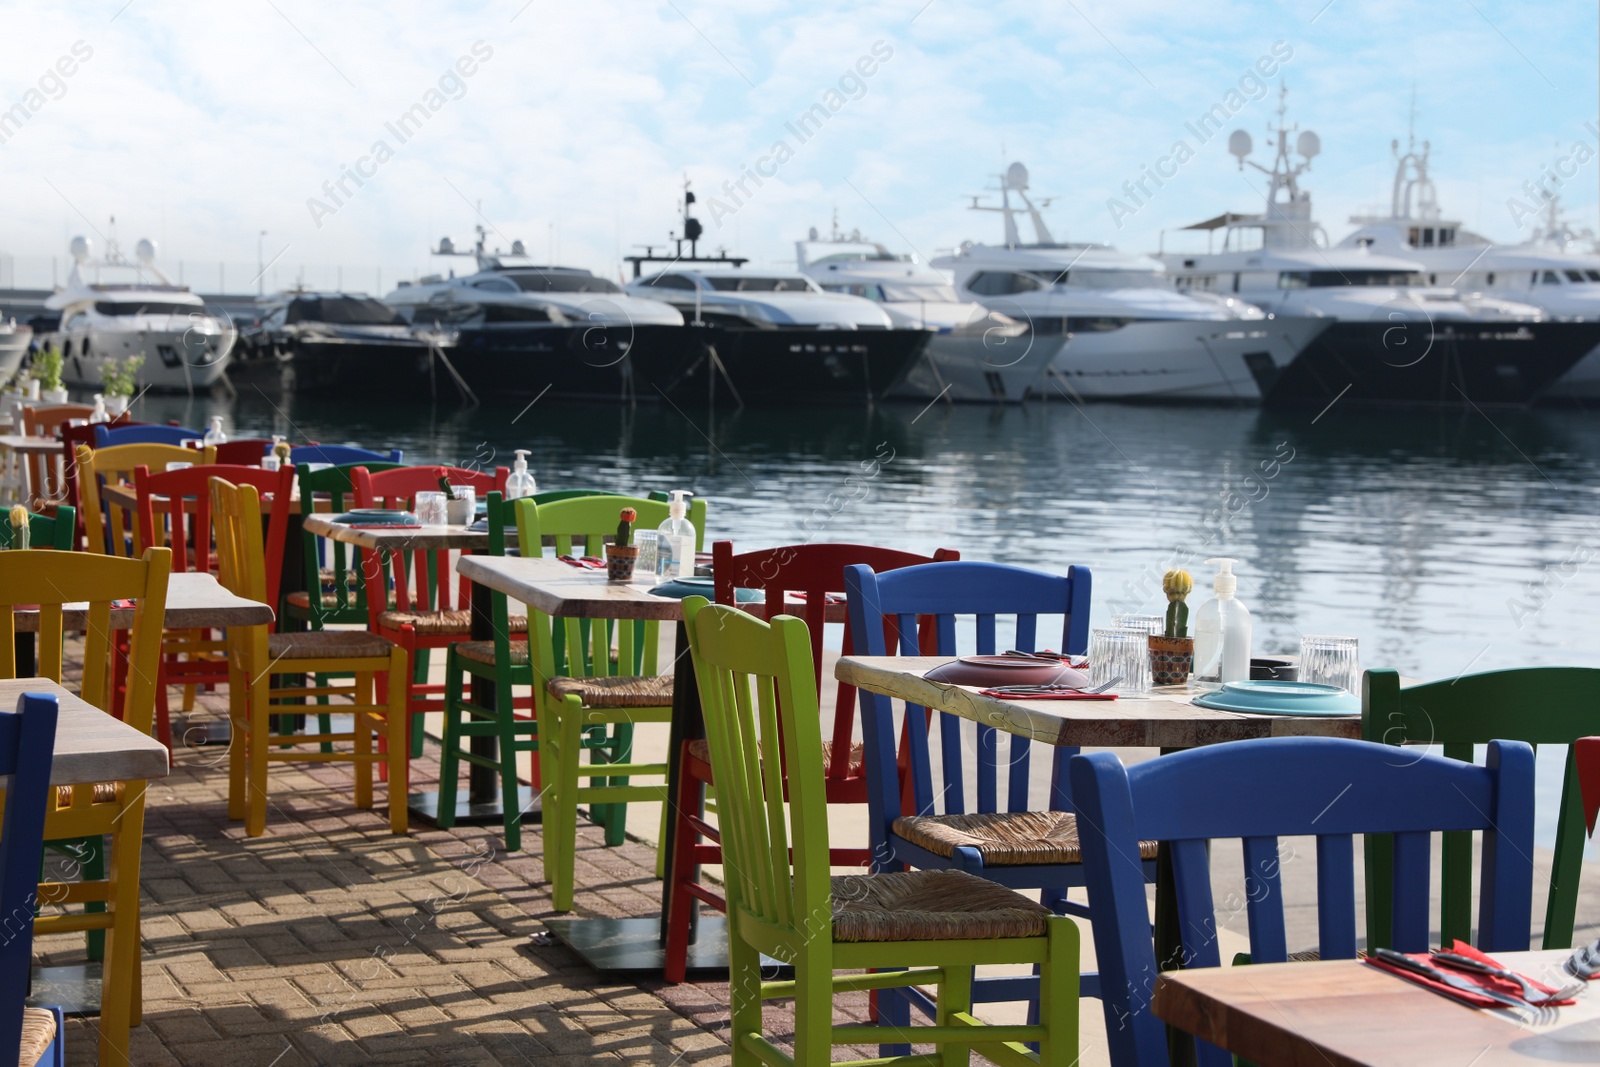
(331, 364)
(1428, 363)
(683, 364)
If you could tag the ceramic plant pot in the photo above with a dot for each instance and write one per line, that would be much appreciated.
(1171, 659)
(620, 560)
(116, 405)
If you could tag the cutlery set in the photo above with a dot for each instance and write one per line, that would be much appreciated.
(1541, 1003)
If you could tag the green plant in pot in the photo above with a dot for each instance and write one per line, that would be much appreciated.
(1172, 653)
(118, 380)
(47, 369)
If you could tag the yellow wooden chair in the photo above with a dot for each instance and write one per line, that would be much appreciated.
(109, 526)
(348, 661)
(109, 809)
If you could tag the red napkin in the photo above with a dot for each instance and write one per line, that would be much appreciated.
(1484, 981)
(1057, 695)
(1588, 753)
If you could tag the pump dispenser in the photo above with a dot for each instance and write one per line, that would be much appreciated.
(1222, 631)
(521, 483)
(214, 435)
(99, 414)
(675, 551)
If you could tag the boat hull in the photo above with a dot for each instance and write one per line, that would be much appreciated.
(1580, 385)
(13, 347)
(682, 364)
(351, 364)
(1440, 363)
(1203, 360)
(978, 367)
(173, 363)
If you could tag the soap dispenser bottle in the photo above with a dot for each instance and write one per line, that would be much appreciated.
(1222, 631)
(214, 435)
(521, 483)
(675, 542)
(99, 414)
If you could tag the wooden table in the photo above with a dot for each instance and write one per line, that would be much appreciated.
(92, 747)
(481, 806)
(194, 601)
(123, 495)
(1164, 719)
(564, 591)
(14, 448)
(1343, 1013)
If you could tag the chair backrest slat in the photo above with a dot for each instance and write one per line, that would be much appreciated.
(343, 456)
(1336, 896)
(1261, 791)
(330, 490)
(111, 436)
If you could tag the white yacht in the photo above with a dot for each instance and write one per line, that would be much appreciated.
(1545, 271)
(1393, 336)
(973, 354)
(14, 341)
(1121, 330)
(112, 309)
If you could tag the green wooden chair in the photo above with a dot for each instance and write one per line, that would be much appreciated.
(1539, 705)
(585, 700)
(782, 902)
(44, 531)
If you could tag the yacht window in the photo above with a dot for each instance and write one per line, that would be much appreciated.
(513, 313)
(147, 307)
(1574, 275)
(342, 311)
(1594, 275)
(1114, 279)
(865, 292)
(925, 293)
(1447, 237)
(1294, 279)
(495, 285)
(561, 282)
(670, 281)
(77, 320)
(1321, 279)
(1414, 241)
(1002, 283)
(1551, 278)
(1427, 237)
(1051, 277)
(741, 284)
(1236, 281)
(1491, 278)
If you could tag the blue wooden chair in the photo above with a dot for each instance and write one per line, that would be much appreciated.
(27, 747)
(342, 455)
(1261, 790)
(107, 436)
(922, 823)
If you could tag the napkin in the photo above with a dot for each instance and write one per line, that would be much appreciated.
(1484, 981)
(1049, 694)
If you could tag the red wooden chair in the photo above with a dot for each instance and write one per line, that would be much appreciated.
(174, 510)
(431, 605)
(246, 452)
(1587, 753)
(48, 474)
(815, 572)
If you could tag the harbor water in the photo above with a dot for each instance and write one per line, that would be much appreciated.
(1446, 541)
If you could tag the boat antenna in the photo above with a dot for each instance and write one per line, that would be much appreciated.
(692, 232)
(1015, 180)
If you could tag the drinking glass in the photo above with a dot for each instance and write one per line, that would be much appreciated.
(1150, 624)
(645, 567)
(463, 509)
(1120, 652)
(430, 508)
(1329, 659)
(178, 466)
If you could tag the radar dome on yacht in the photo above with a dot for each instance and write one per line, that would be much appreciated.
(518, 249)
(1240, 145)
(447, 247)
(1017, 177)
(80, 248)
(145, 250)
(1308, 144)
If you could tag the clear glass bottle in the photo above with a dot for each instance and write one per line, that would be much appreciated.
(675, 540)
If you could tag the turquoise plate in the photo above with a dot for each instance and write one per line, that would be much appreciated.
(376, 517)
(679, 588)
(1282, 698)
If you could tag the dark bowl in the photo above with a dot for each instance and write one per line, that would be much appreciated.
(1267, 669)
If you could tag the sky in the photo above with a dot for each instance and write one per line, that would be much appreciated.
(572, 127)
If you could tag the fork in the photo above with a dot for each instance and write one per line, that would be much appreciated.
(1101, 688)
(1530, 993)
(1406, 963)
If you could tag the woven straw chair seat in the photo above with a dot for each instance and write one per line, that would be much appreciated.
(302, 599)
(1004, 839)
(104, 793)
(624, 691)
(327, 644)
(38, 1030)
(483, 652)
(701, 750)
(458, 621)
(930, 906)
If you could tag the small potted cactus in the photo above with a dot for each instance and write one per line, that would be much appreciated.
(1172, 653)
(623, 554)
